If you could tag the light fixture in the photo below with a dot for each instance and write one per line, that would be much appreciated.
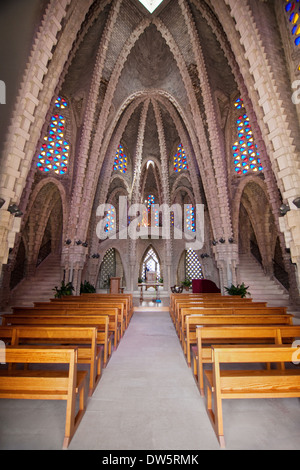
(214, 242)
(68, 242)
(85, 244)
(18, 213)
(79, 242)
(14, 210)
(96, 256)
(231, 240)
(297, 202)
(2, 202)
(222, 240)
(284, 208)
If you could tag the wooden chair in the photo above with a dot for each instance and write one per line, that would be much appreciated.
(45, 384)
(224, 384)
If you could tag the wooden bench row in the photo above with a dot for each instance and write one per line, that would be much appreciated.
(101, 322)
(80, 333)
(225, 382)
(84, 338)
(125, 299)
(204, 299)
(226, 317)
(44, 384)
(250, 332)
(246, 335)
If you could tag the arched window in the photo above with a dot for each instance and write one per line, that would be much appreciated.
(180, 161)
(193, 268)
(55, 152)
(190, 217)
(292, 10)
(107, 268)
(110, 220)
(147, 218)
(120, 163)
(245, 153)
(150, 263)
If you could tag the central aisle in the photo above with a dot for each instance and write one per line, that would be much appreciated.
(147, 398)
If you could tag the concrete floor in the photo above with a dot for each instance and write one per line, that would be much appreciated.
(147, 399)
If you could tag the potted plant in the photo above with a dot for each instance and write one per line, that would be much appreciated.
(65, 289)
(87, 288)
(239, 289)
(187, 283)
(140, 280)
(160, 280)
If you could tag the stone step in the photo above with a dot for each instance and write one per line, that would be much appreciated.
(262, 287)
(38, 288)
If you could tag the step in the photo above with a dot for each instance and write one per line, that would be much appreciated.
(262, 288)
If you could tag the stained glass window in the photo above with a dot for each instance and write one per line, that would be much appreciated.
(245, 153)
(55, 152)
(190, 217)
(110, 220)
(147, 219)
(292, 10)
(180, 161)
(120, 163)
(193, 268)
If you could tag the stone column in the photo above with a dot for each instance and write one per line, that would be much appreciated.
(227, 261)
(73, 259)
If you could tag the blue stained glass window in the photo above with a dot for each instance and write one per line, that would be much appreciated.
(180, 160)
(245, 152)
(120, 162)
(55, 145)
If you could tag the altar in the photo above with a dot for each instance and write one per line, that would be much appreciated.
(156, 285)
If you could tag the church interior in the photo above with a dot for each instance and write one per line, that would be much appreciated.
(146, 145)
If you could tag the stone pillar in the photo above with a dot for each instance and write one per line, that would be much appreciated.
(227, 261)
(73, 259)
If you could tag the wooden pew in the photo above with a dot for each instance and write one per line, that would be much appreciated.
(127, 299)
(204, 298)
(84, 338)
(229, 384)
(192, 321)
(85, 307)
(45, 384)
(101, 322)
(225, 311)
(86, 304)
(208, 336)
(112, 313)
(215, 305)
(124, 296)
(223, 301)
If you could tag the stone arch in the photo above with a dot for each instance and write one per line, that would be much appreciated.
(152, 257)
(257, 222)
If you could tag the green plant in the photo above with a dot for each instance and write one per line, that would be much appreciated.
(161, 280)
(140, 280)
(65, 289)
(239, 289)
(187, 282)
(87, 288)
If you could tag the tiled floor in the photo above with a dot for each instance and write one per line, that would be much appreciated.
(147, 399)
